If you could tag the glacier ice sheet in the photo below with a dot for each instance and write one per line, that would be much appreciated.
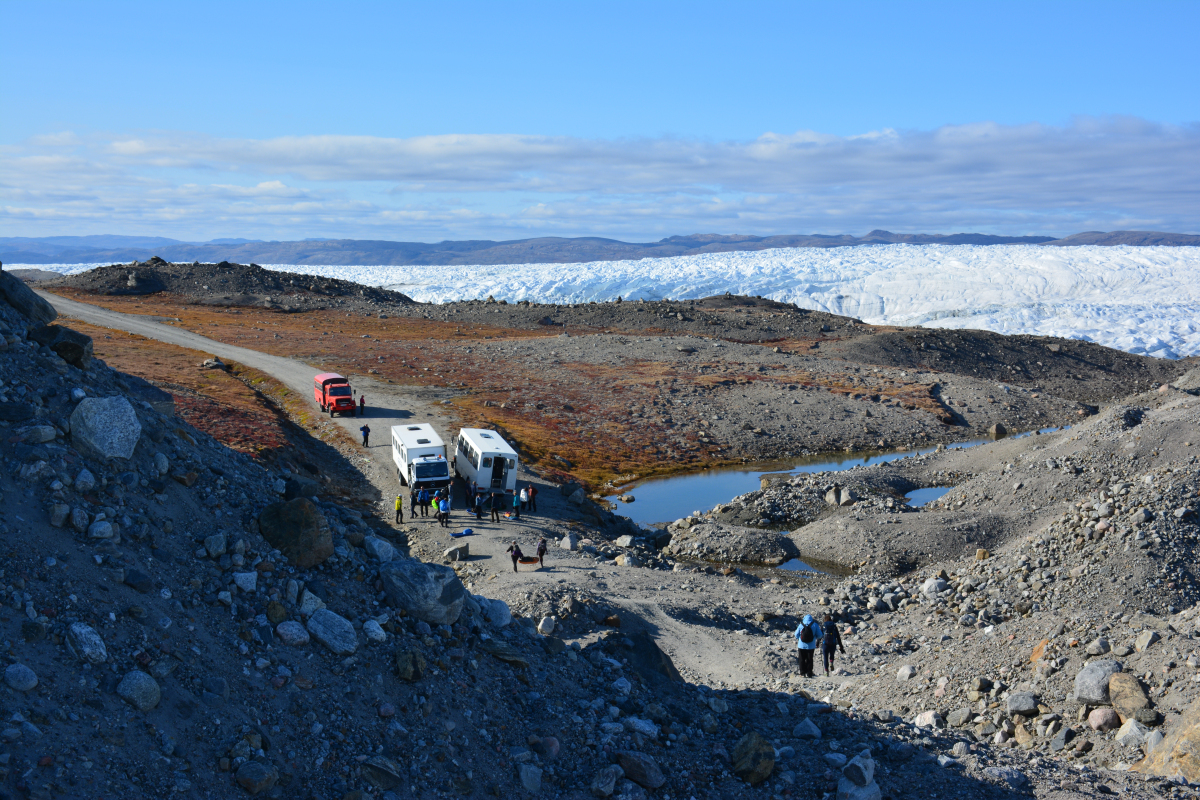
(1139, 299)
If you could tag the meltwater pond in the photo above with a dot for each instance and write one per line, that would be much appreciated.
(663, 500)
(923, 497)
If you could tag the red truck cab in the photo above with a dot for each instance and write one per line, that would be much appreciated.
(332, 393)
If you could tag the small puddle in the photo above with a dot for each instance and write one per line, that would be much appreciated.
(662, 500)
(797, 565)
(923, 497)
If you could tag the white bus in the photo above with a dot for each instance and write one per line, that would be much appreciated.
(420, 456)
(484, 457)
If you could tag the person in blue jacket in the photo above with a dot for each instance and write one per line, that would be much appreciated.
(808, 635)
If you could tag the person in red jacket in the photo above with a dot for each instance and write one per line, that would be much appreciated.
(362, 405)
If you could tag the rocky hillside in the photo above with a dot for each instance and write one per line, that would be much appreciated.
(226, 284)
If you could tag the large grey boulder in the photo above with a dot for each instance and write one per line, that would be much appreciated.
(106, 427)
(299, 530)
(1091, 682)
(429, 592)
(14, 292)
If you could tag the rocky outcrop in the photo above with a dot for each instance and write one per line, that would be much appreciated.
(1178, 754)
(723, 544)
(14, 292)
(299, 530)
(105, 427)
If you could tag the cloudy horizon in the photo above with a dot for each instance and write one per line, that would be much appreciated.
(1093, 174)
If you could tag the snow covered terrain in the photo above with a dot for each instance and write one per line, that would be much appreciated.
(1139, 299)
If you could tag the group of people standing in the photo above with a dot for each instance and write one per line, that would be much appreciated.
(478, 499)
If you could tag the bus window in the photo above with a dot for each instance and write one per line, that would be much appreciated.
(487, 462)
(512, 463)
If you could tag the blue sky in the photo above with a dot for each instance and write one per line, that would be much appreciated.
(635, 120)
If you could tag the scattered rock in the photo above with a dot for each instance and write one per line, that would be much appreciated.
(1007, 775)
(139, 690)
(20, 678)
(753, 759)
(410, 665)
(530, 776)
(1132, 733)
(1104, 720)
(807, 729)
(641, 769)
(1091, 682)
(379, 549)
(256, 777)
(86, 644)
(1127, 696)
(333, 631)
(605, 782)
(105, 427)
(1144, 640)
(1024, 703)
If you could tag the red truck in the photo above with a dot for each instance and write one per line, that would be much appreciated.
(332, 393)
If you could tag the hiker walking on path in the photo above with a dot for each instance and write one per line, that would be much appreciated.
(831, 638)
(532, 490)
(365, 430)
(399, 508)
(807, 636)
(541, 552)
(515, 550)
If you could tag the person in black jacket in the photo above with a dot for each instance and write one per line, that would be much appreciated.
(831, 639)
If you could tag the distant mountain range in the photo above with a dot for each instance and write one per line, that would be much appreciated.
(124, 249)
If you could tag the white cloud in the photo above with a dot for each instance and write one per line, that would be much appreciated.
(1104, 173)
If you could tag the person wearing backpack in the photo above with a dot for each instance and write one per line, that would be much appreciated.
(532, 498)
(423, 499)
(541, 552)
(807, 636)
(444, 512)
(831, 638)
